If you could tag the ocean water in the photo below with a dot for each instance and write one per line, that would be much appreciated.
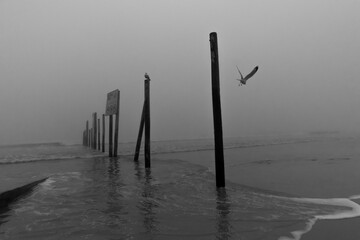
(90, 196)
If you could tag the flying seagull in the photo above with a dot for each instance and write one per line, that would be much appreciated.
(244, 79)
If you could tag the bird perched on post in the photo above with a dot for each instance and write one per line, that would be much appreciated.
(147, 77)
(244, 79)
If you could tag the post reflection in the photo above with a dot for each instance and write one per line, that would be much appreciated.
(115, 208)
(223, 211)
(147, 204)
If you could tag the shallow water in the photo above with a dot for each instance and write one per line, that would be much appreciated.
(112, 199)
(95, 197)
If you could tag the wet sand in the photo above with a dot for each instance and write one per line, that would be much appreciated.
(312, 170)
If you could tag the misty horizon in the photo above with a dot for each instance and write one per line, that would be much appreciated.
(59, 59)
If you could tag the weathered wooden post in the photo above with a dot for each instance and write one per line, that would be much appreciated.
(103, 133)
(95, 129)
(98, 133)
(147, 121)
(110, 135)
(138, 142)
(87, 133)
(116, 140)
(218, 134)
(89, 138)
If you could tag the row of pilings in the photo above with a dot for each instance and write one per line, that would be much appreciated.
(91, 136)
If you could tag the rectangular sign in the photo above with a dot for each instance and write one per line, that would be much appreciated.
(112, 102)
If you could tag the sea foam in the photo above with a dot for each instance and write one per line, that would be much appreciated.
(354, 211)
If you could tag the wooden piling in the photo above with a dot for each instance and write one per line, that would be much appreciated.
(103, 133)
(218, 134)
(87, 133)
(110, 136)
(91, 137)
(116, 137)
(147, 123)
(95, 130)
(98, 130)
(138, 142)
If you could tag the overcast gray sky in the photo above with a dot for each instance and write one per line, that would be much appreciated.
(59, 58)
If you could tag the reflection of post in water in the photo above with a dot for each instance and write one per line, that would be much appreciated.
(138, 171)
(223, 210)
(147, 204)
(113, 170)
(116, 208)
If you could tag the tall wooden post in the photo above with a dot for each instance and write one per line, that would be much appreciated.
(87, 133)
(147, 123)
(218, 134)
(98, 130)
(138, 142)
(110, 136)
(117, 125)
(89, 138)
(103, 133)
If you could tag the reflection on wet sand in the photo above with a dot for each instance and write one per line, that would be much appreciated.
(146, 204)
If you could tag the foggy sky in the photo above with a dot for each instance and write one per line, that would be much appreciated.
(59, 59)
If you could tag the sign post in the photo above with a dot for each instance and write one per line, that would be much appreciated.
(112, 107)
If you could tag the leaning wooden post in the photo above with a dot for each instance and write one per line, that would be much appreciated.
(98, 133)
(103, 133)
(116, 140)
(218, 134)
(110, 136)
(147, 121)
(138, 142)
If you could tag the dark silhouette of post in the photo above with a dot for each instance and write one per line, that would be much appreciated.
(95, 130)
(103, 133)
(138, 142)
(87, 133)
(218, 134)
(116, 140)
(147, 123)
(98, 133)
(89, 138)
(110, 135)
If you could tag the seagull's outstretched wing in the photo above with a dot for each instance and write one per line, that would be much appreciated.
(239, 72)
(251, 73)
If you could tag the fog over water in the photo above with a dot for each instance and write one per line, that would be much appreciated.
(58, 59)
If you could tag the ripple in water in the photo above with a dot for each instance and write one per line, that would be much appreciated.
(176, 200)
